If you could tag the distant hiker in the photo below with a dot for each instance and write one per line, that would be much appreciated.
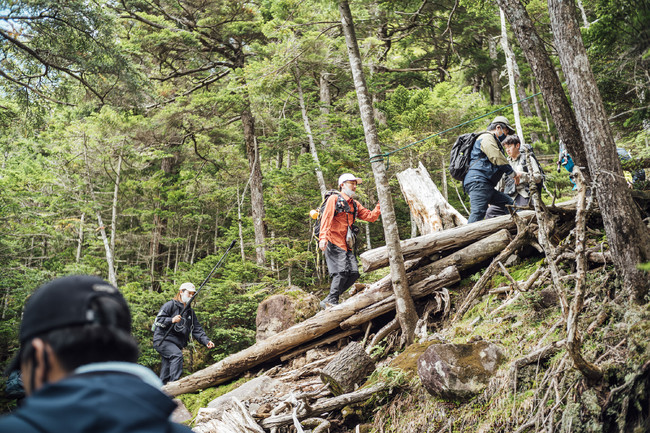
(170, 350)
(565, 160)
(78, 364)
(520, 193)
(336, 237)
(633, 178)
(487, 164)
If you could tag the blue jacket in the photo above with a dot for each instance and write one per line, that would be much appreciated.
(102, 401)
(181, 331)
(483, 168)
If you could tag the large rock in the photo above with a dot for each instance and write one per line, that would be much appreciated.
(279, 312)
(459, 371)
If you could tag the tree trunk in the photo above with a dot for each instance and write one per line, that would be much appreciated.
(102, 229)
(628, 237)
(310, 137)
(405, 306)
(510, 57)
(257, 196)
(239, 224)
(494, 73)
(445, 185)
(348, 368)
(429, 208)
(118, 173)
(548, 80)
(80, 238)
(585, 21)
(196, 240)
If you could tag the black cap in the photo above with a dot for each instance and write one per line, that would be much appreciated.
(62, 303)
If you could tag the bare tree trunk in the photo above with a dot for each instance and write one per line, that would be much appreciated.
(196, 240)
(216, 232)
(538, 109)
(5, 302)
(548, 80)
(310, 136)
(118, 174)
(521, 94)
(585, 21)
(102, 229)
(627, 235)
(445, 185)
(257, 196)
(80, 238)
(494, 74)
(510, 57)
(272, 244)
(239, 224)
(405, 307)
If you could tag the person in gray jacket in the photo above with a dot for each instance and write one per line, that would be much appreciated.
(520, 193)
(77, 359)
(488, 164)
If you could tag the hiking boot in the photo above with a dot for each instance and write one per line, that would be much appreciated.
(328, 303)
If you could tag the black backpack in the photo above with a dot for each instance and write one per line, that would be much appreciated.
(461, 151)
(341, 206)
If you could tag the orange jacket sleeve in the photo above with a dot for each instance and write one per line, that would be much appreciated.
(327, 218)
(367, 215)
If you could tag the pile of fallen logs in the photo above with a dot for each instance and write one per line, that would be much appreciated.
(435, 263)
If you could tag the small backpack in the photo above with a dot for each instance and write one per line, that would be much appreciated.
(341, 206)
(461, 151)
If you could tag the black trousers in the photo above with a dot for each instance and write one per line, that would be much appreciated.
(171, 367)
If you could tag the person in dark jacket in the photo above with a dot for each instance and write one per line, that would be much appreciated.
(487, 164)
(182, 327)
(77, 361)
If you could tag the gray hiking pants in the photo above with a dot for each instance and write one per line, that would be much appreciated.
(344, 270)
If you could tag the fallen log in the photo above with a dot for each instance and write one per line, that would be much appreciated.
(430, 211)
(465, 258)
(320, 342)
(454, 238)
(327, 405)
(441, 241)
(447, 277)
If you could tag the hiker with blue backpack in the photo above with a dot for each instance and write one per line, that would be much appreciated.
(487, 164)
(337, 235)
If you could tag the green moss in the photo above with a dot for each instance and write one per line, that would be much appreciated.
(193, 402)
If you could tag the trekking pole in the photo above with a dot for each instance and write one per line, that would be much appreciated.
(187, 305)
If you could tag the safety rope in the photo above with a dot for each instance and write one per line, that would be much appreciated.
(386, 156)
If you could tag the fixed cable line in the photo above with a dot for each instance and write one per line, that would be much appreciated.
(386, 155)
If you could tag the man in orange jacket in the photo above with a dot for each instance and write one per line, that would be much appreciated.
(336, 238)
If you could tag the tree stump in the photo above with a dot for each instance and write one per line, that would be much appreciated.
(351, 366)
(430, 211)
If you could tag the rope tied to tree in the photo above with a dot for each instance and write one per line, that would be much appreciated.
(386, 156)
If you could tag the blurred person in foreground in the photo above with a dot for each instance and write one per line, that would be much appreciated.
(77, 360)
